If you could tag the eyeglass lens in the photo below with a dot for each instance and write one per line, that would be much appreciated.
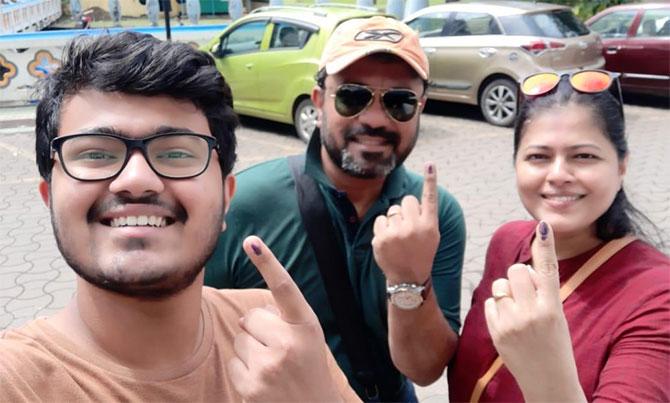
(590, 81)
(539, 84)
(352, 99)
(96, 156)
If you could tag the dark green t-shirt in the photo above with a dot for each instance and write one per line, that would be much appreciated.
(265, 204)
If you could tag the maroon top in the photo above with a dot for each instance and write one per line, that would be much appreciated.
(619, 320)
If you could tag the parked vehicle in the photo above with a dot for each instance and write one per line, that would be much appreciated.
(636, 41)
(271, 56)
(478, 51)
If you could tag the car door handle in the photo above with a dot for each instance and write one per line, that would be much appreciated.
(249, 66)
(611, 50)
(487, 52)
(429, 50)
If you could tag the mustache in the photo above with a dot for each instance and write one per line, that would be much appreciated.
(390, 136)
(99, 209)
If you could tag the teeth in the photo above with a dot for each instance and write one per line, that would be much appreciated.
(138, 221)
(563, 198)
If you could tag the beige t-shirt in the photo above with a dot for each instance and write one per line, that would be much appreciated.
(38, 363)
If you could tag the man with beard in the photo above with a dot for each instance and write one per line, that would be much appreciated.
(135, 143)
(406, 281)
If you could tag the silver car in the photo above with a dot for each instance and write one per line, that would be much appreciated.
(478, 51)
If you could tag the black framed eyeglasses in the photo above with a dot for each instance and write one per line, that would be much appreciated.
(585, 81)
(399, 103)
(97, 156)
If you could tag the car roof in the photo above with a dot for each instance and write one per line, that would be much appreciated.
(498, 8)
(636, 6)
(316, 12)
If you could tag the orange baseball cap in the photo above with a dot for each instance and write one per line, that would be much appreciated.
(360, 37)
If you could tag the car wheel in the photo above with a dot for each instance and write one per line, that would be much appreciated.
(498, 102)
(304, 119)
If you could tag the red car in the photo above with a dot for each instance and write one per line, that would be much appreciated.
(636, 42)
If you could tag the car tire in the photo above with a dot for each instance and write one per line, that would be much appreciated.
(304, 119)
(498, 102)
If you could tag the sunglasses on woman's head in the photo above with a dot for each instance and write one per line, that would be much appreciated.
(400, 104)
(585, 81)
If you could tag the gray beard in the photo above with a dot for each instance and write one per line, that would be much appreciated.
(349, 165)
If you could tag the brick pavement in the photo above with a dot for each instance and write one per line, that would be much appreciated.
(473, 161)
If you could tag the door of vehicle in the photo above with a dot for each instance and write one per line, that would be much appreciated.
(614, 29)
(458, 52)
(645, 55)
(287, 67)
(237, 59)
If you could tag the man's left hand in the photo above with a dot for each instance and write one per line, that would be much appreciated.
(406, 238)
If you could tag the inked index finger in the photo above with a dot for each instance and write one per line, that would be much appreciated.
(545, 261)
(290, 301)
(429, 195)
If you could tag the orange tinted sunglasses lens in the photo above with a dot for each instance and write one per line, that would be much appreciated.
(539, 84)
(591, 81)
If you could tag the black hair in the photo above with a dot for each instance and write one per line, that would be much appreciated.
(383, 57)
(138, 64)
(621, 218)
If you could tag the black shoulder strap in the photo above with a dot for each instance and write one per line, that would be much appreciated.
(333, 268)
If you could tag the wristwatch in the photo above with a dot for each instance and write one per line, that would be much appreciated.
(408, 296)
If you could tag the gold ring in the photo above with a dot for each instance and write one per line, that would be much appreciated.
(500, 295)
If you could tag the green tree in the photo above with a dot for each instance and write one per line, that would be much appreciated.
(587, 8)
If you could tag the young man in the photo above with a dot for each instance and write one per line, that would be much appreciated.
(135, 143)
(369, 94)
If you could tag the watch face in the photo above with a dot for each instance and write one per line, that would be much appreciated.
(406, 299)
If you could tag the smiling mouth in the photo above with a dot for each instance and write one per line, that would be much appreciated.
(563, 198)
(371, 140)
(139, 221)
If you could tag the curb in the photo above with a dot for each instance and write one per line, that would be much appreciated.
(6, 124)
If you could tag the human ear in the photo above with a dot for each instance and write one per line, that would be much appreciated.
(623, 165)
(229, 186)
(317, 100)
(43, 188)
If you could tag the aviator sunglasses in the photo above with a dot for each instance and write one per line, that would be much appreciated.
(585, 81)
(400, 104)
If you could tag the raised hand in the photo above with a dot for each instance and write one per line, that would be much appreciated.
(526, 322)
(280, 353)
(406, 238)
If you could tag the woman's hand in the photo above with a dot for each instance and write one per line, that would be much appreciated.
(526, 322)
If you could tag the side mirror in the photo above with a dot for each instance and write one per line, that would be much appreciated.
(218, 50)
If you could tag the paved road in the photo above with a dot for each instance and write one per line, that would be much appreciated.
(473, 161)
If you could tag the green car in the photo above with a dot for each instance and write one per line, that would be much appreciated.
(270, 57)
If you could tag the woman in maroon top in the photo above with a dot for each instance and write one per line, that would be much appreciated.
(610, 340)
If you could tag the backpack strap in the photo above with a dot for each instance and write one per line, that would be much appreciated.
(333, 267)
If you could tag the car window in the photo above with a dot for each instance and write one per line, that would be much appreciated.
(245, 38)
(286, 35)
(552, 24)
(473, 24)
(429, 25)
(615, 24)
(654, 23)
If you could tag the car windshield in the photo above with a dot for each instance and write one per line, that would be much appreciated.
(552, 24)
